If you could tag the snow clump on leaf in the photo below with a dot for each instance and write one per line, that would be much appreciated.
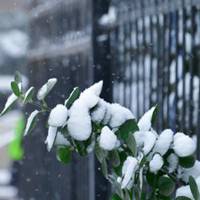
(58, 116)
(107, 139)
(129, 167)
(156, 163)
(183, 145)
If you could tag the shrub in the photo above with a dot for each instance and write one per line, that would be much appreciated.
(140, 159)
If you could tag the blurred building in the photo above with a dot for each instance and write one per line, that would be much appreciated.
(13, 46)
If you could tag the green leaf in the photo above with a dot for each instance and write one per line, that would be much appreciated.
(63, 154)
(29, 95)
(100, 153)
(115, 197)
(18, 78)
(72, 97)
(46, 89)
(194, 188)
(166, 185)
(31, 121)
(15, 88)
(129, 127)
(187, 162)
(127, 195)
(114, 158)
(9, 103)
(104, 168)
(155, 114)
(161, 197)
(81, 148)
(182, 198)
(152, 179)
(131, 143)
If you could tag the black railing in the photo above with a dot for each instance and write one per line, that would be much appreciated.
(156, 60)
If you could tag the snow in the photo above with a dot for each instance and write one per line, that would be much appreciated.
(110, 18)
(5, 176)
(58, 116)
(119, 115)
(51, 137)
(107, 115)
(95, 88)
(10, 101)
(30, 121)
(46, 88)
(193, 171)
(5, 82)
(79, 123)
(98, 114)
(128, 169)
(145, 139)
(172, 160)
(163, 142)
(184, 191)
(144, 123)
(156, 163)
(8, 192)
(149, 142)
(61, 140)
(14, 43)
(90, 96)
(107, 139)
(183, 145)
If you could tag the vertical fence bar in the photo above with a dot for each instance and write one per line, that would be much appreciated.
(168, 64)
(102, 71)
(137, 69)
(183, 120)
(151, 60)
(143, 54)
(176, 28)
(191, 70)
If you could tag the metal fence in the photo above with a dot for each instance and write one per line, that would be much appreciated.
(147, 53)
(156, 60)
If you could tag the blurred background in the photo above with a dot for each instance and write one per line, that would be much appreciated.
(147, 52)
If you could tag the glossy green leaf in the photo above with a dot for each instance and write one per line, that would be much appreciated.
(46, 89)
(104, 168)
(31, 121)
(166, 185)
(194, 188)
(115, 197)
(187, 162)
(129, 127)
(63, 154)
(182, 198)
(100, 153)
(15, 88)
(72, 97)
(9, 103)
(131, 143)
(152, 179)
(114, 158)
(155, 114)
(81, 148)
(29, 95)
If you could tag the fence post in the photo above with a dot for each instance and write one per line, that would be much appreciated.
(102, 71)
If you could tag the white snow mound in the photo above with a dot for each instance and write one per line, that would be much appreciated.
(58, 116)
